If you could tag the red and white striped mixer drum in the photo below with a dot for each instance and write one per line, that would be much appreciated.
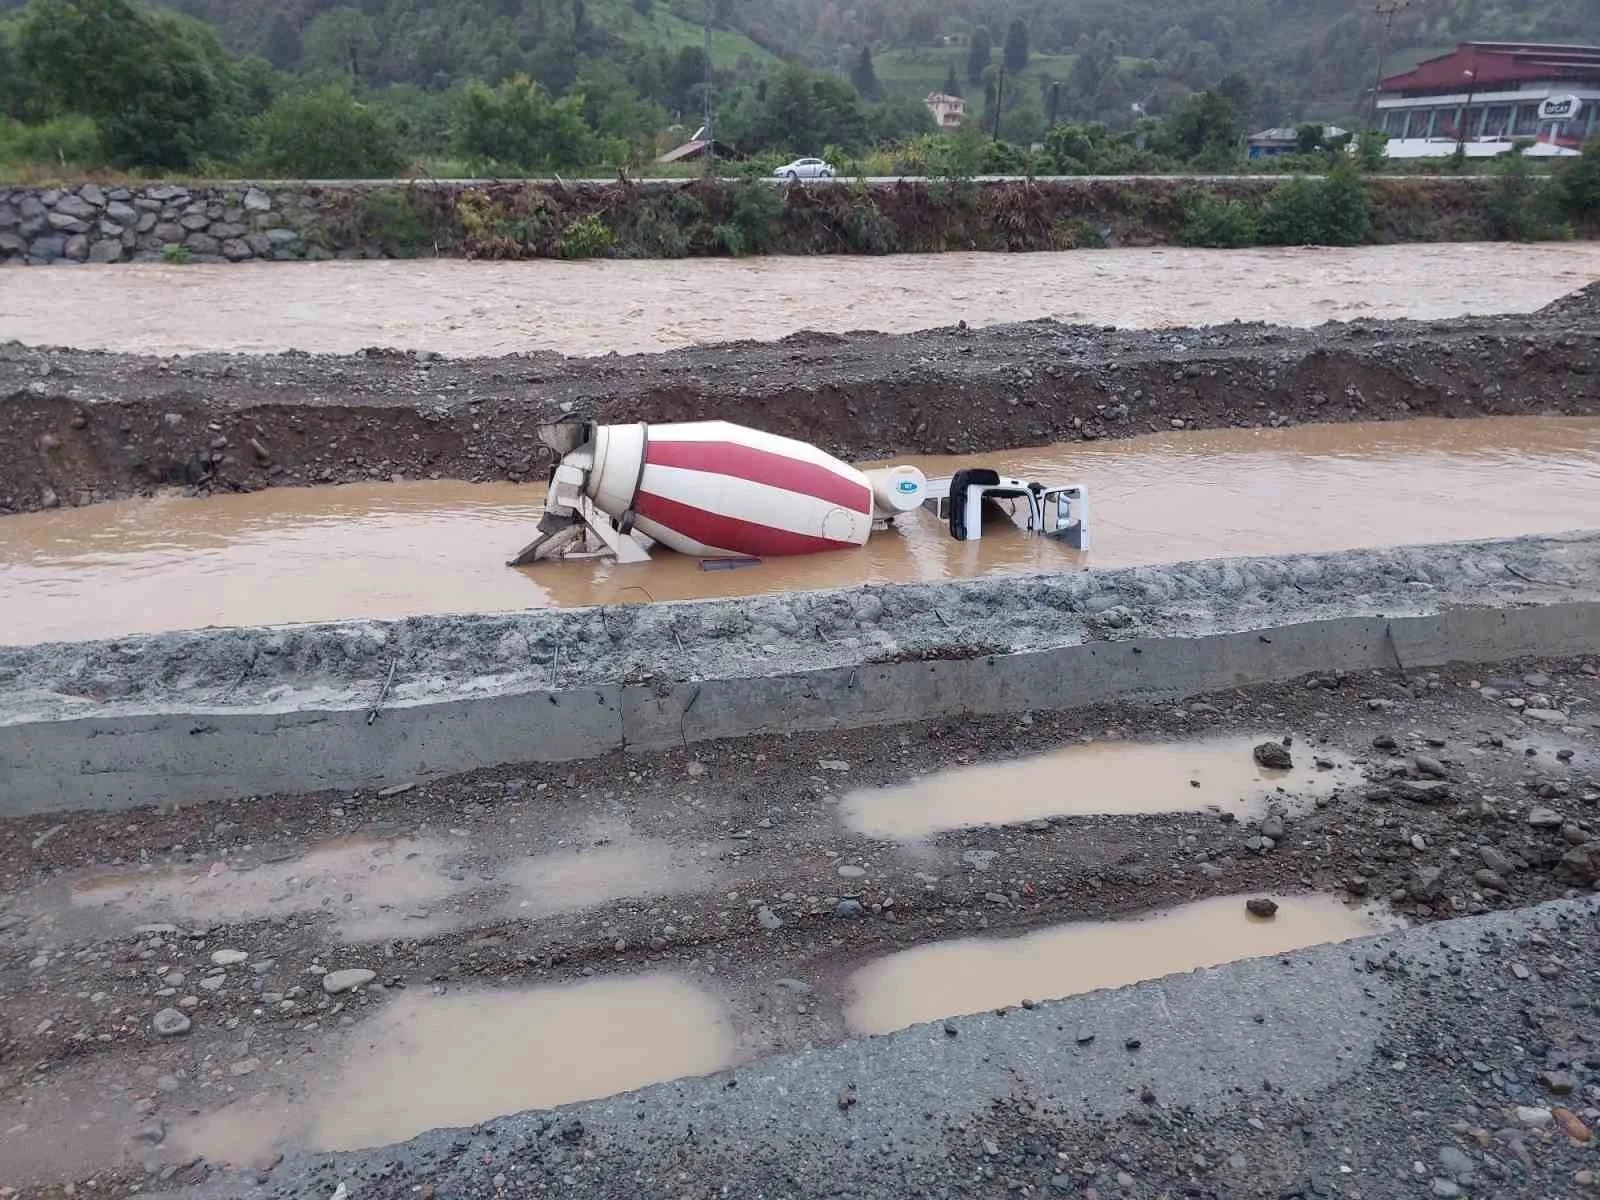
(712, 488)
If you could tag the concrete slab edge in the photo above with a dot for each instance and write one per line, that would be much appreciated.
(183, 757)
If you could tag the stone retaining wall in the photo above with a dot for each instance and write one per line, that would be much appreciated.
(158, 222)
(520, 219)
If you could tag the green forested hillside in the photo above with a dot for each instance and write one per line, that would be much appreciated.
(1307, 58)
(372, 86)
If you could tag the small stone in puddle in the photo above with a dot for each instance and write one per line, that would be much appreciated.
(1274, 756)
(335, 982)
(1260, 906)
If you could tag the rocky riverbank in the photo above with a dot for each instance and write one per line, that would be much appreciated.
(241, 222)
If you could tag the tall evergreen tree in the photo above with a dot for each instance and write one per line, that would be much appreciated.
(952, 85)
(865, 77)
(1016, 53)
(283, 43)
(978, 55)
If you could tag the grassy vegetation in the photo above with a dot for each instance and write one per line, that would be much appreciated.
(917, 72)
(664, 29)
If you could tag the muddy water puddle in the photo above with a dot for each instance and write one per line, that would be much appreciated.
(590, 308)
(374, 888)
(447, 1061)
(969, 975)
(393, 550)
(1096, 779)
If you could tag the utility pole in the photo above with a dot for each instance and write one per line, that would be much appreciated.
(1465, 114)
(710, 132)
(1387, 9)
(999, 99)
(1055, 104)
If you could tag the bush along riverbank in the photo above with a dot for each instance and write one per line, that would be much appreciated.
(515, 220)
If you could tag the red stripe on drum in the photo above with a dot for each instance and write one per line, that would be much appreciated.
(762, 466)
(739, 537)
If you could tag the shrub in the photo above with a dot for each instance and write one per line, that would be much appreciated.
(393, 220)
(1346, 206)
(754, 222)
(1578, 183)
(1334, 211)
(587, 237)
(175, 254)
(1209, 220)
(326, 134)
(868, 231)
(1290, 214)
(1523, 206)
(60, 141)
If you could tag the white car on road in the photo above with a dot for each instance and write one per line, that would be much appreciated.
(805, 168)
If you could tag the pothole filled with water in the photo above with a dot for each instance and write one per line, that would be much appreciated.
(1095, 779)
(430, 1061)
(969, 975)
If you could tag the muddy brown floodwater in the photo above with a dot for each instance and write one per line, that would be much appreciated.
(401, 549)
(586, 308)
(967, 975)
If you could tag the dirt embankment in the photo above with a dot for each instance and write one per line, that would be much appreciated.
(91, 426)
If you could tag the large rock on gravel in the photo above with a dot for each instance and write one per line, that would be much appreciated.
(1544, 818)
(1427, 883)
(1580, 865)
(169, 1022)
(1274, 756)
(337, 982)
(1421, 791)
(1496, 860)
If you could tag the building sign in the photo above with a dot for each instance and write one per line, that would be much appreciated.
(1560, 108)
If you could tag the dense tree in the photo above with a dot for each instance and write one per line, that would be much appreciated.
(801, 112)
(899, 119)
(342, 41)
(517, 126)
(978, 55)
(326, 134)
(864, 76)
(923, 27)
(146, 79)
(1205, 130)
(284, 48)
(1016, 51)
(952, 85)
(14, 86)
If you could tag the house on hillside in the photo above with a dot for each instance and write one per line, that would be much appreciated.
(696, 148)
(1483, 96)
(948, 111)
(1270, 143)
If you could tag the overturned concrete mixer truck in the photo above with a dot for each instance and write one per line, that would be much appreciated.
(717, 490)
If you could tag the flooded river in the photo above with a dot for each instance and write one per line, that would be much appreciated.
(589, 308)
(400, 549)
